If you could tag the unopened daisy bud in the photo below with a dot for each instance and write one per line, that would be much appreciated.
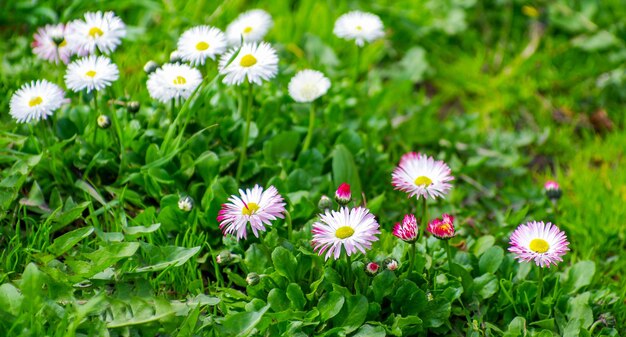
(253, 279)
(429, 296)
(224, 257)
(324, 203)
(442, 228)
(343, 195)
(133, 106)
(185, 203)
(553, 191)
(176, 57)
(391, 264)
(104, 121)
(150, 67)
(407, 230)
(372, 268)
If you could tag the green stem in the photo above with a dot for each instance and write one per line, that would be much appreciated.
(449, 253)
(349, 271)
(423, 223)
(170, 116)
(539, 291)
(244, 143)
(412, 255)
(309, 134)
(356, 65)
(289, 226)
(95, 119)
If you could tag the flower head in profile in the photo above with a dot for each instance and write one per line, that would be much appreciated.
(173, 81)
(255, 62)
(538, 241)
(442, 228)
(103, 31)
(251, 26)
(422, 176)
(407, 230)
(35, 101)
(308, 85)
(391, 264)
(353, 229)
(343, 195)
(254, 206)
(50, 44)
(201, 42)
(553, 190)
(359, 26)
(91, 73)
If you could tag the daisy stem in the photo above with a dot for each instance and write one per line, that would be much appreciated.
(449, 253)
(539, 291)
(172, 108)
(349, 281)
(289, 225)
(411, 258)
(95, 120)
(423, 222)
(309, 134)
(246, 134)
(356, 65)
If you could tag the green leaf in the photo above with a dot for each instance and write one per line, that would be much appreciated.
(285, 263)
(353, 313)
(486, 285)
(283, 145)
(370, 331)
(256, 260)
(330, 304)
(70, 215)
(408, 325)
(578, 308)
(345, 170)
(296, 296)
(277, 299)
(517, 328)
(579, 275)
(382, 284)
(136, 230)
(68, 240)
(482, 244)
(10, 299)
(242, 323)
(491, 259)
(161, 257)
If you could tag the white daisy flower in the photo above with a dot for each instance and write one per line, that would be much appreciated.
(252, 25)
(418, 174)
(254, 206)
(201, 42)
(308, 85)
(254, 62)
(359, 26)
(91, 73)
(35, 101)
(173, 81)
(353, 229)
(99, 30)
(541, 242)
(50, 44)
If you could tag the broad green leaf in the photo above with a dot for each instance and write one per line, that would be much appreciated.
(578, 308)
(277, 299)
(69, 215)
(330, 304)
(242, 323)
(382, 284)
(486, 285)
(256, 260)
(296, 296)
(161, 257)
(482, 244)
(68, 240)
(517, 328)
(491, 259)
(353, 313)
(285, 263)
(281, 146)
(135, 230)
(345, 170)
(10, 299)
(370, 331)
(579, 275)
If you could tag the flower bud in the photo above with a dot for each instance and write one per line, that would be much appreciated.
(343, 195)
(391, 264)
(372, 268)
(132, 107)
(150, 67)
(324, 203)
(185, 203)
(407, 230)
(253, 279)
(553, 191)
(225, 257)
(104, 121)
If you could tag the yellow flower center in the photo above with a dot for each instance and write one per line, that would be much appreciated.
(63, 43)
(95, 32)
(344, 232)
(359, 28)
(91, 73)
(423, 181)
(539, 245)
(445, 227)
(247, 29)
(202, 46)
(35, 101)
(179, 80)
(247, 61)
(250, 209)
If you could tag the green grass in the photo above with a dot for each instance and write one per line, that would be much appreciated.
(506, 99)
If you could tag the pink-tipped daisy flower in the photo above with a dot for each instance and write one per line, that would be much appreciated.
(442, 228)
(353, 229)
(254, 206)
(543, 243)
(407, 230)
(422, 176)
(343, 195)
